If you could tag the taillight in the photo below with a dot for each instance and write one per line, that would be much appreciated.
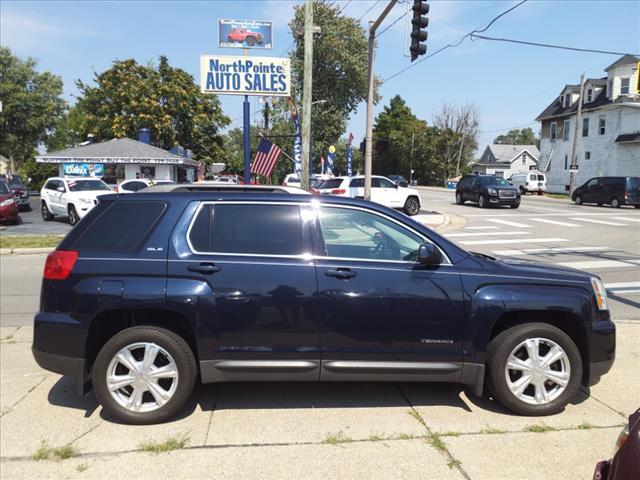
(59, 264)
(338, 191)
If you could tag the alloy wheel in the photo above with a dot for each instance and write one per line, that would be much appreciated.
(412, 206)
(142, 377)
(537, 371)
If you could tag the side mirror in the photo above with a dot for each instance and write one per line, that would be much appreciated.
(404, 184)
(429, 254)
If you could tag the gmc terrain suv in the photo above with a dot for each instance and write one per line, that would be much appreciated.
(154, 291)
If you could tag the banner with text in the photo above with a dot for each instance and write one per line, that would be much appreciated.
(263, 76)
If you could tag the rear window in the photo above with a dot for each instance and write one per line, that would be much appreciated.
(541, 178)
(121, 227)
(633, 182)
(332, 183)
(247, 229)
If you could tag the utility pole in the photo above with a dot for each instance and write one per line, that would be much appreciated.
(373, 26)
(307, 91)
(413, 139)
(574, 148)
(464, 132)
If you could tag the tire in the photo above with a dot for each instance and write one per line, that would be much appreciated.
(515, 205)
(533, 400)
(459, 199)
(73, 216)
(411, 206)
(578, 200)
(637, 206)
(615, 202)
(47, 216)
(172, 350)
(482, 201)
(250, 41)
(523, 191)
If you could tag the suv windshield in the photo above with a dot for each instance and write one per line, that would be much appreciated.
(14, 180)
(86, 185)
(4, 188)
(501, 182)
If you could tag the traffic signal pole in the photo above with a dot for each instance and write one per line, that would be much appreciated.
(373, 26)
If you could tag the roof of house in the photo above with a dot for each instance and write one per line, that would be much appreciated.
(624, 60)
(123, 150)
(506, 153)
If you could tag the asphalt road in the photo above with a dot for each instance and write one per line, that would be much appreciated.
(601, 240)
(32, 223)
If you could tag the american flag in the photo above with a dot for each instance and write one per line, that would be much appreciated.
(266, 158)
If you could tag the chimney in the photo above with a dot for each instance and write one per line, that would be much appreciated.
(144, 136)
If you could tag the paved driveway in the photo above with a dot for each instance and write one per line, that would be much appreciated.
(33, 224)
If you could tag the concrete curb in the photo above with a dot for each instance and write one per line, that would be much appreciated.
(26, 251)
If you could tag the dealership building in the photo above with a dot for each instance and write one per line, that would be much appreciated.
(124, 159)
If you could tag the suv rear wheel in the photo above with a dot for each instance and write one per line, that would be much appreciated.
(411, 206)
(534, 369)
(144, 375)
(47, 216)
(615, 202)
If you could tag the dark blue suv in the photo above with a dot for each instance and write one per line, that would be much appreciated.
(153, 291)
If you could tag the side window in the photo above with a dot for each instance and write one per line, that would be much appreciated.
(475, 182)
(49, 185)
(592, 183)
(121, 227)
(257, 229)
(375, 183)
(357, 183)
(200, 235)
(357, 234)
(384, 183)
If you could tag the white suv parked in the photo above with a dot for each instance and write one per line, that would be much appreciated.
(131, 186)
(70, 196)
(383, 191)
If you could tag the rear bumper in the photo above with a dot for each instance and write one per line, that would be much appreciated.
(71, 366)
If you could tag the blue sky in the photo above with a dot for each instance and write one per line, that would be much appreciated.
(510, 84)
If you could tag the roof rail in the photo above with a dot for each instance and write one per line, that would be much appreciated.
(204, 187)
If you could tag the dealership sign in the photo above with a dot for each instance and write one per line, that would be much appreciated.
(263, 76)
(244, 34)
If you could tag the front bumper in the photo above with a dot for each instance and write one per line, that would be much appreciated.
(495, 200)
(602, 350)
(9, 213)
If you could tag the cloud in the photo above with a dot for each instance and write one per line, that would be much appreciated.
(29, 33)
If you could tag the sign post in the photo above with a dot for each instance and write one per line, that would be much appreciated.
(247, 140)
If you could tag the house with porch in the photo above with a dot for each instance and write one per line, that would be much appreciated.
(505, 160)
(609, 132)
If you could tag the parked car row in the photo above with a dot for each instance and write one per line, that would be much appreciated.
(8, 205)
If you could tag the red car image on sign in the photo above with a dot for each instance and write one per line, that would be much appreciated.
(242, 35)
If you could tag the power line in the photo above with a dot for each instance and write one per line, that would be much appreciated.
(368, 10)
(345, 6)
(547, 45)
(455, 44)
(394, 22)
(508, 128)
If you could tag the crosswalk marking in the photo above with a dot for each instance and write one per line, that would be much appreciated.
(627, 219)
(623, 287)
(598, 264)
(507, 222)
(602, 222)
(481, 228)
(555, 222)
(514, 240)
(484, 234)
(527, 251)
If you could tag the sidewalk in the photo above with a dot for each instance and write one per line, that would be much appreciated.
(298, 430)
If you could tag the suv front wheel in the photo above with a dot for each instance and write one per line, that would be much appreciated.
(534, 369)
(411, 206)
(144, 375)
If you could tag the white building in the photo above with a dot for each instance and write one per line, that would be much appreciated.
(609, 133)
(505, 160)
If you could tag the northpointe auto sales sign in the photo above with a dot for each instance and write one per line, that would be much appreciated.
(264, 76)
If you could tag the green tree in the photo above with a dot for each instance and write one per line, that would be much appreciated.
(31, 106)
(518, 137)
(166, 100)
(339, 70)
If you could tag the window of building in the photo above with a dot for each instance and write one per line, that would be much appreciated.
(624, 86)
(566, 161)
(601, 125)
(351, 233)
(121, 227)
(585, 127)
(567, 100)
(589, 95)
(554, 130)
(587, 155)
(566, 126)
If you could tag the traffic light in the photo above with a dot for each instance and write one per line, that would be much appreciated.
(419, 22)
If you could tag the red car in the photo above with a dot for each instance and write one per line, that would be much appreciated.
(242, 35)
(625, 464)
(8, 206)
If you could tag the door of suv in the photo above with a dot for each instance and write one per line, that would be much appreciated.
(55, 194)
(381, 312)
(386, 193)
(249, 265)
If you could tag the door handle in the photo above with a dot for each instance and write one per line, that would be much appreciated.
(204, 268)
(341, 273)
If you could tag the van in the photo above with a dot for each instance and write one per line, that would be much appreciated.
(614, 191)
(532, 181)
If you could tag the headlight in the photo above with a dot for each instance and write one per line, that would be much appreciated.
(492, 191)
(600, 292)
(6, 202)
(86, 200)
